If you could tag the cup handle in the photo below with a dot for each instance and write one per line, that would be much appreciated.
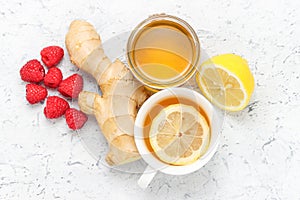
(146, 177)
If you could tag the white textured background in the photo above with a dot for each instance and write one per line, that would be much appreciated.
(259, 155)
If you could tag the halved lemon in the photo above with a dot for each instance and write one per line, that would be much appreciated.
(179, 134)
(226, 81)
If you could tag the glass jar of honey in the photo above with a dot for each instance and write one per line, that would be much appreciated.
(163, 51)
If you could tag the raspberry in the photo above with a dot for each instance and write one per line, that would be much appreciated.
(55, 107)
(53, 77)
(35, 93)
(32, 71)
(71, 86)
(75, 118)
(52, 55)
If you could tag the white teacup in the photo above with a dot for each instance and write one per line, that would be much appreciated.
(154, 164)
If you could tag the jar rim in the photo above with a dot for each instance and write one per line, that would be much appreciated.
(178, 80)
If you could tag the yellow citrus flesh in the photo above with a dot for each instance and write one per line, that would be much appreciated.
(226, 81)
(179, 134)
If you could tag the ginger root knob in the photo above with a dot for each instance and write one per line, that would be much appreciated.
(116, 109)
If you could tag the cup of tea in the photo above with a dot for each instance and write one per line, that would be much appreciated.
(195, 151)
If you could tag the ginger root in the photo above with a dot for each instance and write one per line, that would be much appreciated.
(116, 109)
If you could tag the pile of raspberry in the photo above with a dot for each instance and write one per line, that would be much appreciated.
(70, 87)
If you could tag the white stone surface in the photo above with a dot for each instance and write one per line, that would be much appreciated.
(259, 155)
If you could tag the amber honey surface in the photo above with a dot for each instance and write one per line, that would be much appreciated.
(163, 50)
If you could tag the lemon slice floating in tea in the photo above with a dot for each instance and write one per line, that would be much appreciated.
(226, 81)
(179, 134)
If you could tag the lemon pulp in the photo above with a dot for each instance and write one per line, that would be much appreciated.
(226, 81)
(179, 134)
